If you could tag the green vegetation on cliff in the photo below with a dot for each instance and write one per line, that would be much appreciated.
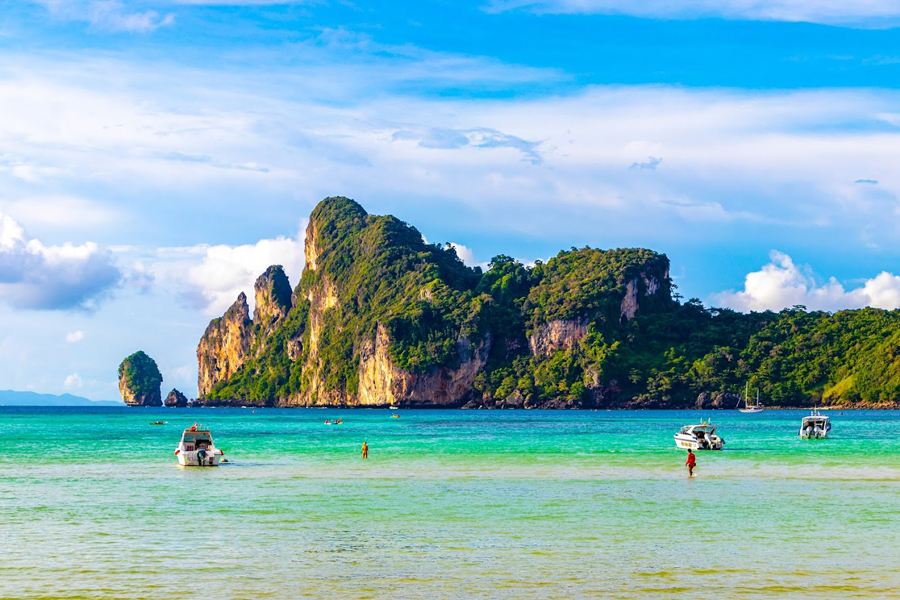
(139, 380)
(141, 372)
(587, 328)
(381, 272)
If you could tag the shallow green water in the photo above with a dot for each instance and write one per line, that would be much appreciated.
(450, 504)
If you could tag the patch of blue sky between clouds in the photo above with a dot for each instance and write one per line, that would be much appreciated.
(464, 51)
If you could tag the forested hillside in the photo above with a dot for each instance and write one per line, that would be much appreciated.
(382, 318)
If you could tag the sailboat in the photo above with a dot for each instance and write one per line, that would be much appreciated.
(751, 408)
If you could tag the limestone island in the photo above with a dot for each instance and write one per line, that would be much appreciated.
(381, 318)
(139, 380)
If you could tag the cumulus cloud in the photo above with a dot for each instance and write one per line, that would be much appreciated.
(139, 277)
(782, 284)
(74, 336)
(209, 278)
(466, 255)
(37, 276)
(73, 381)
(872, 13)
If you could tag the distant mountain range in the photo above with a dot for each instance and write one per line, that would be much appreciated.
(13, 398)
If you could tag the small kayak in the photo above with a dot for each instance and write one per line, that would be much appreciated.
(158, 423)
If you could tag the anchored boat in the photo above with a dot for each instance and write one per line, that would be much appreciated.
(750, 408)
(815, 427)
(197, 449)
(699, 437)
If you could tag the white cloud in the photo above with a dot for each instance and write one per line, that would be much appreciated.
(782, 284)
(210, 278)
(73, 382)
(838, 12)
(110, 15)
(545, 166)
(729, 155)
(74, 336)
(38, 276)
(465, 254)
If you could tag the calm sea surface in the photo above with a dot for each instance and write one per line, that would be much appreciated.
(450, 504)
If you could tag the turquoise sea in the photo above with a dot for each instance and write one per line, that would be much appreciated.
(450, 504)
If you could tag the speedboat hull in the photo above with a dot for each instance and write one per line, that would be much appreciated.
(813, 434)
(693, 443)
(192, 459)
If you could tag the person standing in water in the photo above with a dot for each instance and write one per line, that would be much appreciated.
(365, 450)
(691, 462)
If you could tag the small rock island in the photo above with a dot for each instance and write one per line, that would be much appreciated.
(176, 399)
(140, 380)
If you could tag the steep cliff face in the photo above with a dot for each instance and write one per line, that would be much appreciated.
(559, 334)
(225, 345)
(644, 284)
(233, 339)
(587, 286)
(272, 299)
(322, 297)
(139, 380)
(564, 334)
(382, 383)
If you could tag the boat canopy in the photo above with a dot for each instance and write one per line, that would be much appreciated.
(198, 436)
(700, 427)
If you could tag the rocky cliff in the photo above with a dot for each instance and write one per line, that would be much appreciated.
(176, 399)
(139, 380)
(272, 300)
(382, 383)
(382, 318)
(559, 334)
(225, 345)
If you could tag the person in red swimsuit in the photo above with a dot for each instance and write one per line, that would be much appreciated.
(691, 462)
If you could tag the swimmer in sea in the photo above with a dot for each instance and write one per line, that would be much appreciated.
(365, 450)
(691, 462)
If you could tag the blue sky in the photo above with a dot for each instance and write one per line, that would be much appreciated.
(155, 156)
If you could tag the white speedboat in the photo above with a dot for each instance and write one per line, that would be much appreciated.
(196, 448)
(751, 408)
(699, 437)
(815, 427)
